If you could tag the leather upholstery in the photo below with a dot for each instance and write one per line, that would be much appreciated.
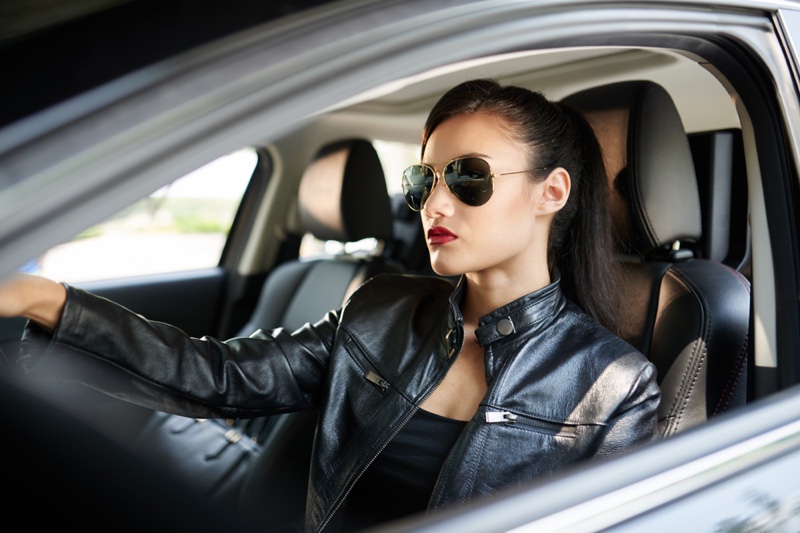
(700, 343)
(689, 315)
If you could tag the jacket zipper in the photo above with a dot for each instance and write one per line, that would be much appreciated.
(449, 453)
(374, 378)
(372, 460)
(509, 418)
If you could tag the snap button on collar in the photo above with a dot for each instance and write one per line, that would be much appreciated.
(505, 327)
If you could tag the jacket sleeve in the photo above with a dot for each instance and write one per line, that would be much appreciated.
(635, 422)
(109, 348)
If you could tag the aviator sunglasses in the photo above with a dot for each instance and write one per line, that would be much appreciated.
(470, 179)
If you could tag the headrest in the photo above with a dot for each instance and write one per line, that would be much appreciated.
(654, 200)
(343, 195)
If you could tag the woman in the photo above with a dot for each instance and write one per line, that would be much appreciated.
(428, 395)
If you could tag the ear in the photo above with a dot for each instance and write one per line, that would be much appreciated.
(555, 191)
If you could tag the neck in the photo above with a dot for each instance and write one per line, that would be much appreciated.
(484, 294)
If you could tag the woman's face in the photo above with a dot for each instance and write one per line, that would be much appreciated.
(506, 236)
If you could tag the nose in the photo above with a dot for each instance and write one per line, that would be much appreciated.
(440, 200)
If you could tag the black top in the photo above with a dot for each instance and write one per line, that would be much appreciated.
(401, 479)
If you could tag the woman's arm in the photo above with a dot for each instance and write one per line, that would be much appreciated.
(33, 297)
(636, 422)
(92, 340)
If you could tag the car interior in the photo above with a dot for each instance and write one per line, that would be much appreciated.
(671, 139)
(688, 313)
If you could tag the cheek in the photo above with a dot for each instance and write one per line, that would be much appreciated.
(518, 203)
(498, 227)
(533, 192)
(514, 217)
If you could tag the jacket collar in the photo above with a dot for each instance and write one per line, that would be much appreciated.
(515, 316)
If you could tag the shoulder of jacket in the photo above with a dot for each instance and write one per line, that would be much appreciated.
(595, 333)
(390, 296)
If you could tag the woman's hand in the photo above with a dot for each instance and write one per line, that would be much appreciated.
(33, 297)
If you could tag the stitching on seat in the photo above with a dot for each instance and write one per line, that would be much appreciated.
(698, 358)
(738, 275)
(741, 360)
(727, 393)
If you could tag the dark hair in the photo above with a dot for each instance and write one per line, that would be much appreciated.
(580, 242)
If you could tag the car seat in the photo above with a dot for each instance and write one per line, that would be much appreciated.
(342, 197)
(690, 315)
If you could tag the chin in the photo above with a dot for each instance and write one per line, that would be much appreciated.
(443, 269)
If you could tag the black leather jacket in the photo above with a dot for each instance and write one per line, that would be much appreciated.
(561, 389)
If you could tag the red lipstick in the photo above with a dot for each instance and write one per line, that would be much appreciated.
(440, 235)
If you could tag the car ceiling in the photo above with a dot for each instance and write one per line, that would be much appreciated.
(702, 101)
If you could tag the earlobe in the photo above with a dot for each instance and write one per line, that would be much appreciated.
(555, 192)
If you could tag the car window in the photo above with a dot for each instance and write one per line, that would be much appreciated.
(182, 226)
(395, 157)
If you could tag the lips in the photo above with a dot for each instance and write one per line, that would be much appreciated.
(440, 235)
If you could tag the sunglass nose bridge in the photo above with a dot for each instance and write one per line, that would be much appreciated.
(438, 177)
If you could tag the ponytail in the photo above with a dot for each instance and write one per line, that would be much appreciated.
(581, 237)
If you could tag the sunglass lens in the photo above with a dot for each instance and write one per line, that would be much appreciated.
(470, 180)
(417, 185)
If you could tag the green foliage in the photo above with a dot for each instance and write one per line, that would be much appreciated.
(89, 233)
(170, 215)
(198, 224)
(191, 215)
